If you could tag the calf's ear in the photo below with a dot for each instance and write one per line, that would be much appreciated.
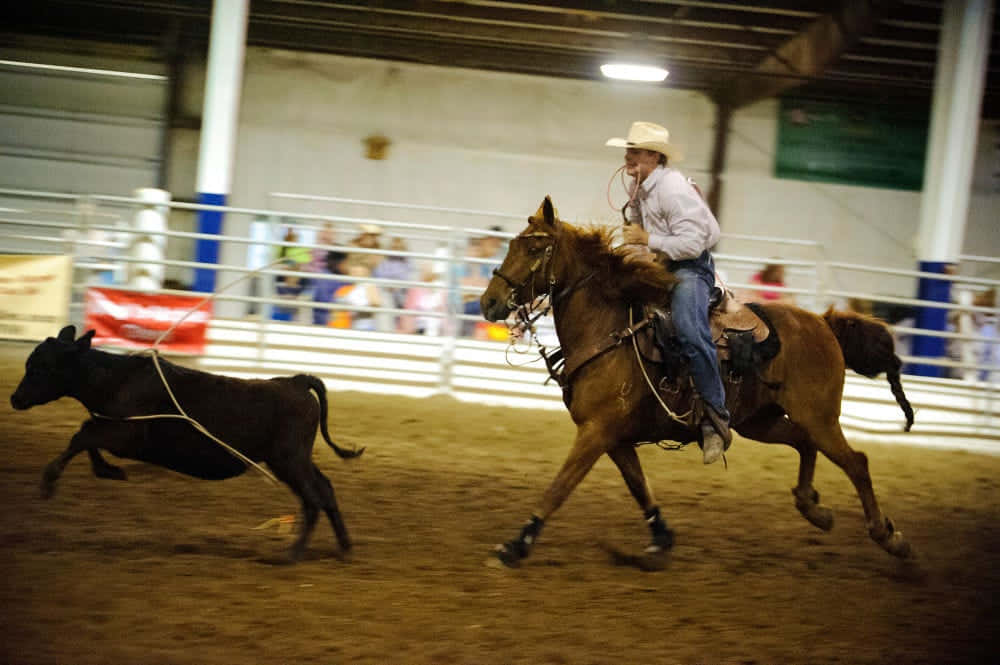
(83, 343)
(67, 334)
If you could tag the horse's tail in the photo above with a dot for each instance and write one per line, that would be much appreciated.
(869, 350)
(317, 387)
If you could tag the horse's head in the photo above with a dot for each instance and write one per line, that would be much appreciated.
(526, 271)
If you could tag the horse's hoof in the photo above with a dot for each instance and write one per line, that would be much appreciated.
(890, 540)
(898, 546)
(508, 555)
(820, 517)
(652, 559)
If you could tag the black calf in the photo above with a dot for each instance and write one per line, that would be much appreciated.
(272, 421)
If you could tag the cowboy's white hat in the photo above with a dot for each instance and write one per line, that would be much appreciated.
(648, 136)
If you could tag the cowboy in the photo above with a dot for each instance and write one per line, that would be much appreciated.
(666, 214)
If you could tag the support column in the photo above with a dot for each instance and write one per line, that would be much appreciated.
(223, 80)
(723, 116)
(944, 206)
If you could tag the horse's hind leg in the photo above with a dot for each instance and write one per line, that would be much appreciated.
(771, 426)
(831, 442)
(627, 461)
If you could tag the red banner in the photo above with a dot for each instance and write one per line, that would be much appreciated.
(126, 318)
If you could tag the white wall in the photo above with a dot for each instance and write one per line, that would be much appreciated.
(501, 142)
(77, 132)
(494, 141)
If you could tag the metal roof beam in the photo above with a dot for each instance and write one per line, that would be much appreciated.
(807, 54)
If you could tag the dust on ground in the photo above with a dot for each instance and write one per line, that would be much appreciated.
(165, 569)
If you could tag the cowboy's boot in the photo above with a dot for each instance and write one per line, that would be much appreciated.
(715, 435)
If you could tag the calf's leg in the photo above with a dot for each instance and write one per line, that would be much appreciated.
(328, 501)
(87, 438)
(296, 471)
(102, 468)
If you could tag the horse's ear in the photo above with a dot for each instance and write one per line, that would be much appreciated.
(548, 211)
(67, 334)
(83, 343)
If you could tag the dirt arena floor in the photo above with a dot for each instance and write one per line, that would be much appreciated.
(165, 569)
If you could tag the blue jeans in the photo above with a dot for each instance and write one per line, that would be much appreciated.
(689, 309)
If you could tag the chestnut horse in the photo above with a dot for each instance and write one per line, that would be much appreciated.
(795, 400)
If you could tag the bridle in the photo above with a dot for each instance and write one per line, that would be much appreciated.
(539, 304)
(541, 264)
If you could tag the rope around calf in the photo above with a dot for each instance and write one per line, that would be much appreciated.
(182, 415)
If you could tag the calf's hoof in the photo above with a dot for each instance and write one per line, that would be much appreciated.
(48, 484)
(110, 472)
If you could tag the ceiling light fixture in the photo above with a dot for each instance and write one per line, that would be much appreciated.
(634, 72)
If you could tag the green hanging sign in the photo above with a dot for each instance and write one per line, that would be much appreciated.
(852, 143)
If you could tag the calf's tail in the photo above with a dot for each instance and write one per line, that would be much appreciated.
(317, 387)
(869, 350)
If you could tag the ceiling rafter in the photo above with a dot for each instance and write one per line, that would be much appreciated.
(747, 50)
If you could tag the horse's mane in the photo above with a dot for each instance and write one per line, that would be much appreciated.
(622, 277)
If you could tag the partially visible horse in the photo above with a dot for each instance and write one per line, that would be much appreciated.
(794, 398)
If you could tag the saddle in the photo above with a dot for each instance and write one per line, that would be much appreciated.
(744, 336)
(745, 340)
(728, 319)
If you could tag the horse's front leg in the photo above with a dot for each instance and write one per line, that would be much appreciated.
(591, 442)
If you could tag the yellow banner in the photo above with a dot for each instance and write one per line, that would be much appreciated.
(34, 295)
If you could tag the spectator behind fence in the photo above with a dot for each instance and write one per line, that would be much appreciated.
(424, 299)
(295, 257)
(773, 274)
(326, 236)
(326, 288)
(985, 324)
(477, 275)
(393, 266)
(290, 287)
(357, 294)
(367, 238)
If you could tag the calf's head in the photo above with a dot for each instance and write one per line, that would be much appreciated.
(51, 368)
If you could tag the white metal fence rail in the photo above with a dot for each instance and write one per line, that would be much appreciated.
(96, 231)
